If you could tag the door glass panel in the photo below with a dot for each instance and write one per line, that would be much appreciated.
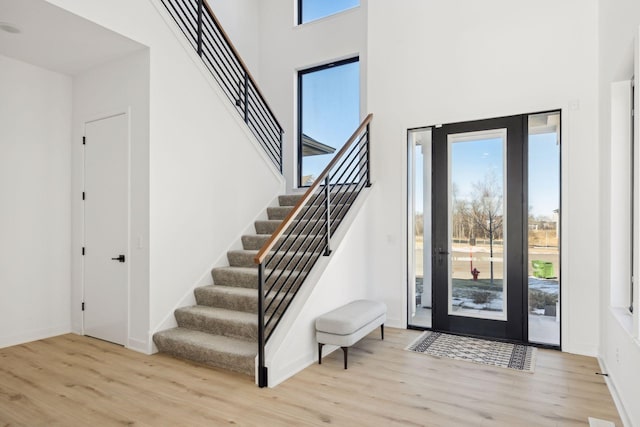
(543, 228)
(476, 189)
(420, 227)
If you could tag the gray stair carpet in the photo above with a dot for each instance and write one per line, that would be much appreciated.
(221, 330)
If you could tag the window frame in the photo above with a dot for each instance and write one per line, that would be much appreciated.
(632, 168)
(301, 74)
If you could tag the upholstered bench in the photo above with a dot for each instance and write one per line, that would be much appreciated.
(346, 325)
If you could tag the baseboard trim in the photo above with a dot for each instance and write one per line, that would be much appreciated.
(278, 376)
(614, 393)
(138, 345)
(582, 350)
(34, 335)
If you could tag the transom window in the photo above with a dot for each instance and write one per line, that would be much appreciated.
(310, 10)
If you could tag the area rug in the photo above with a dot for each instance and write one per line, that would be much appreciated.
(493, 353)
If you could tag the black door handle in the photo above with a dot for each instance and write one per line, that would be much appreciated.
(439, 252)
(120, 258)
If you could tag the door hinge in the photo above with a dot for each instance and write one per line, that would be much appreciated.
(83, 195)
(83, 306)
(84, 140)
(83, 250)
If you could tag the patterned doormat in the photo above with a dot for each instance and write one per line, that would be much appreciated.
(504, 355)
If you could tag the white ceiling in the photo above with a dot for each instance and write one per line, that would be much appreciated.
(55, 39)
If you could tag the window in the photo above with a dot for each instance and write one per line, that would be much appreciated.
(543, 227)
(310, 10)
(419, 227)
(623, 195)
(329, 112)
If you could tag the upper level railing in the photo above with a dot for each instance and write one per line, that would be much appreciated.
(203, 30)
(304, 235)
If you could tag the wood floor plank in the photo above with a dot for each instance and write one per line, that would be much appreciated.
(72, 380)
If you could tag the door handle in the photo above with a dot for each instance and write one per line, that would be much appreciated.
(439, 252)
(120, 258)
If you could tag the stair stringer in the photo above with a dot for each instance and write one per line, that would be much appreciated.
(188, 299)
(335, 280)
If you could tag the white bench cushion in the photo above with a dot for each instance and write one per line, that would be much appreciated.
(350, 339)
(352, 317)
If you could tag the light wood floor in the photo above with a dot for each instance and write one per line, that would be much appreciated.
(79, 381)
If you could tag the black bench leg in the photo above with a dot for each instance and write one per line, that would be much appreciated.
(382, 331)
(345, 350)
(320, 353)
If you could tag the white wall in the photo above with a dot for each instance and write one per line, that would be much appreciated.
(240, 20)
(286, 48)
(35, 156)
(119, 86)
(620, 352)
(343, 277)
(440, 62)
(427, 63)
(208, 179)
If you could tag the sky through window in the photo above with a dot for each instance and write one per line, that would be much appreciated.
(316, 9)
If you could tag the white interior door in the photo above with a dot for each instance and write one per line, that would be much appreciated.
(106, 209)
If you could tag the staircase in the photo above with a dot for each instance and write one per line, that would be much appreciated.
(222, 329)
(234, 318)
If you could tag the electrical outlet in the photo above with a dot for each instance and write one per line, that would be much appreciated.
(617, 355)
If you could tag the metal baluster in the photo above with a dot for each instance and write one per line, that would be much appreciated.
(246, 98)
(327, 206)
(200, 2)
(368, 159)
(262, 369)
(239, 100)
(280, 150)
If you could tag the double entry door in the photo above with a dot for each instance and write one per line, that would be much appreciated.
(485, 210)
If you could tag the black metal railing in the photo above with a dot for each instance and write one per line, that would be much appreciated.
(203, 30)
(304, 235)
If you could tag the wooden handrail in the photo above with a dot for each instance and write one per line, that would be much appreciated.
(262, 253)
(242, 64)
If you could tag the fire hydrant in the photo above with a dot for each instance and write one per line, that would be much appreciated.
(475, 273)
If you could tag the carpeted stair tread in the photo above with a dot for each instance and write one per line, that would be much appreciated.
(218, 321)
(293, 199)
(289, 199)
(214, 350)
(242, 258)
(281, 212)
(269, 226)
(257, 241)
(228, 297)
(278, 212)
(242, 277)
(245, 258)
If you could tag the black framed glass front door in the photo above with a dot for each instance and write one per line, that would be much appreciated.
(478, 228)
